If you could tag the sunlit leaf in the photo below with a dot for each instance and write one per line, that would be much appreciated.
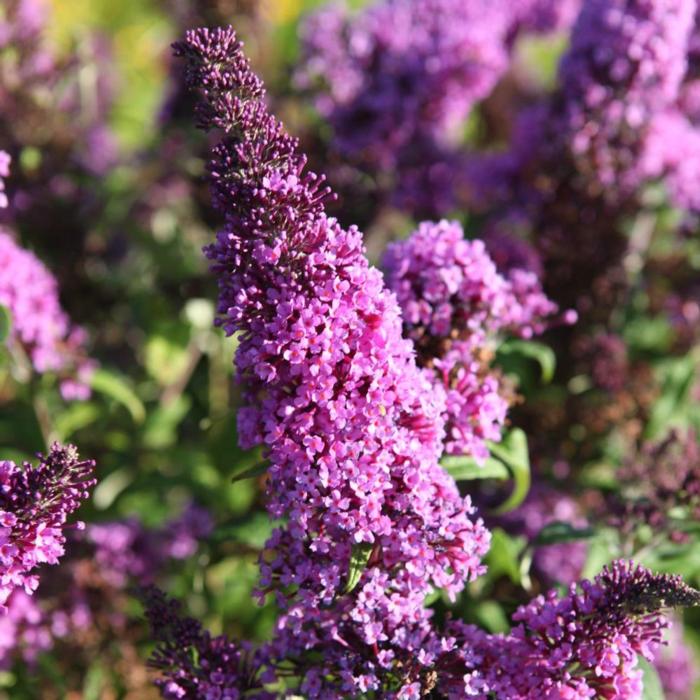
(358, 562)
(513, 452)
(118, 388)
(468, 469)
(5, 323)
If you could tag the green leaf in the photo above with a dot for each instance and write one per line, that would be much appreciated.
(246, 471)
(109, 488)
(513, 452)
(165, 353)
(653, 690)
(5, 323)
(673, 407)
(503, 556)
(558, 532)
(540, 353)
(253, 532)
(358, 562)
(75, 417)
(119, 389)
(160, 430)
(468, 469)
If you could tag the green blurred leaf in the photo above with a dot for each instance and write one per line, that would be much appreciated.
(503, 556)
(358, 561)
(674, 406)
(161, 426)
(252, 532)
(165, 354)
(5, 323)
(74, 417)
(490, 615)
(558, 532)
(110, 487)
(468, 469)
(542, 354)
(118, 388)
(653, 690)
(513, 452)
(246, 471)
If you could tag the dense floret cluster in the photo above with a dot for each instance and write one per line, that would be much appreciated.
(35, 502)
(583, 645)
(455, 304)
(193, 663)
(350, 425)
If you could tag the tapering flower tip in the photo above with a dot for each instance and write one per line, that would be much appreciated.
(35, 502)
(638, 591)
(194, 664)
(39, 324)
(5, 160)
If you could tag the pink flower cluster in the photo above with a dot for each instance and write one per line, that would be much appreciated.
(582, 645)
(455, 303)
(351, 426)
(35, 502)
(624, 67)
(38, 323)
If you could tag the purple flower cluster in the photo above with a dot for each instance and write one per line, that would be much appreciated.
(196, 665)
(84, 595)
(625, 65)
(579, 158)
(454, 303)
(396, 80)
(583, 645)
(35, 502)
(401, 69)
(351, 426)
(660, 486)
(23, 630)
(545, 15)
(125, 550)
(40, 327)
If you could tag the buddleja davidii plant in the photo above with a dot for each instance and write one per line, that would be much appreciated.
(353, 432)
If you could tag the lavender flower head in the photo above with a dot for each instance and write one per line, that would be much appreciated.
(194, 664)
(125, 549)
(583, 645)
(625, 65)
(454, 304)
(35, 502)
(402, 68)
(396, 81)
(23, 630)
(39, 325)
(350, 425)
